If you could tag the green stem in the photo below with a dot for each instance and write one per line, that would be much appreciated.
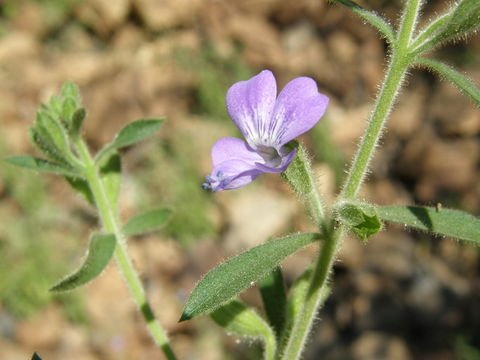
(317, 293)
(109, 218)
(318, 288)
(397, 69)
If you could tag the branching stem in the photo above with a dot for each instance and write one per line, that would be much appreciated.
(109, 219)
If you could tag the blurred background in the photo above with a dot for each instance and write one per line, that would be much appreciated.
(404, 295)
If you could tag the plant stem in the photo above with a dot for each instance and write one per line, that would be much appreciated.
(318, 287)
(317, 292)
(109, 219)
(397, 69)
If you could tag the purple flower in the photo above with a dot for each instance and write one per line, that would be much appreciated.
(268, 123)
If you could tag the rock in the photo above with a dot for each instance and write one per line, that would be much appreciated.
(17, 46)
(409, 112)
(260, 51)
(103, 15)
(376, 346)
(254, 215)
(454, 112)
(163, 14)
(43, 330)
(348, 126)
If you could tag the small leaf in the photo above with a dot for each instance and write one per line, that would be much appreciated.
(463, 83)
(77, 121)
(370, 17)
(110, 173)
(70, 90)
(69, 107)
(241, 320)
(360, 218)
(100, 252)
(81, 186)
(232, 277)
(44, 143)
(274, 296)
(36, 357)
(33, 163)
(460, 20)
(446, 222)
(147, 221)
(131, 134)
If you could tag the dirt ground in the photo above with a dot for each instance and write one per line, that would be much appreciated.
(403, 295)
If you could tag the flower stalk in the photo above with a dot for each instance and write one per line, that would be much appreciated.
(109, 220)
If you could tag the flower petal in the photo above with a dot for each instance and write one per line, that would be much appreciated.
(250, 103)
(298, 108)
(230, 148)
(234, 165)
(233, 174)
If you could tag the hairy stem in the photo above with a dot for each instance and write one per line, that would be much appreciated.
(399, 63)
(397, 68)
(109, 219)
(317, 292)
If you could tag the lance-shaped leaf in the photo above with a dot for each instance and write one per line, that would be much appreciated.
(446, 222)
(235, 275)
(132, 133)
(100, 251)
(78, 117)
(238, 319)
(462, 19)
(33, 163)
(463, 83)
(370, 17)
(36, 357)
(147, 221)
(274, 297)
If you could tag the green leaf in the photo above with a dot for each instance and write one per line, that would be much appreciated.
(44, 143)
(81, 186)
(147, 221)
(274, 296)
(55, 131)
(461, 20)
(100, 252)
(241, 320)
(370, 17)
(110, 173)
(232, 277)
(70, 90)
(69, 107)
(132, 133)
(362, 219)
(446, 222)
(36, 357)
(463, 83)
(430, 30)
(77, 121)
(33, 163)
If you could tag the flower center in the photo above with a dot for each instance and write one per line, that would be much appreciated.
(269, 154)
